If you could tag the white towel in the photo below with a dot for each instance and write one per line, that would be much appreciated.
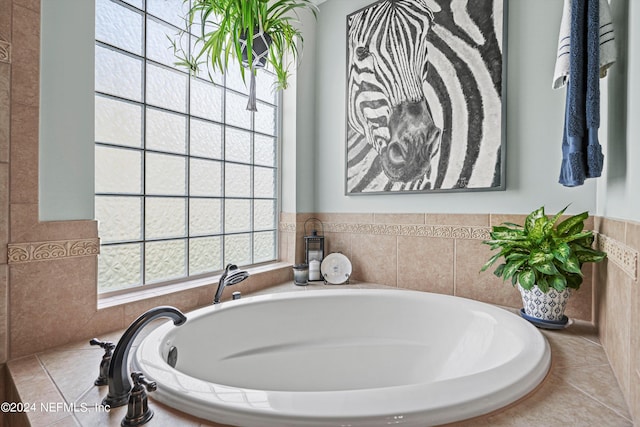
(607, 44)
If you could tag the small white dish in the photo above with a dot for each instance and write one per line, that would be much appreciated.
(335, 269)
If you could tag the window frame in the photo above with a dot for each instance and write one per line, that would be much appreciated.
(144, 195)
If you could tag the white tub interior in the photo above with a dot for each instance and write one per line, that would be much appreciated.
(333, 357)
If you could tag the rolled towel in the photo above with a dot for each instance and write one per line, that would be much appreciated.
(607, 43)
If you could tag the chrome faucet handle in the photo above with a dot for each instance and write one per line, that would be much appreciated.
(138, 411)
(108, 347)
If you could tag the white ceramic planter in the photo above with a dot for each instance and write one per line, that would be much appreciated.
(546, 306)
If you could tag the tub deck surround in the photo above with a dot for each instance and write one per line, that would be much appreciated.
(579, 390)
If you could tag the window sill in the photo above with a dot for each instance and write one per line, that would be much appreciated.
(188, 284)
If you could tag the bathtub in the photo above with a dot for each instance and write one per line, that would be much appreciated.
(344, 357)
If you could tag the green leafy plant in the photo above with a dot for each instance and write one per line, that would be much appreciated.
(543, 252)
(226, 25)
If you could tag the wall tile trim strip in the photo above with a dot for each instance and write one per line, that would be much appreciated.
(5, 51)
(43, 251)
(620, 254)
(617, 252)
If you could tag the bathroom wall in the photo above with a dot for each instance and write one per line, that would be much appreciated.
(5, 118)
(534, 123)
(66, 124)
(618, 192)
(618, 293)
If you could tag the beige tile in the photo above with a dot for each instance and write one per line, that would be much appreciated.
(287, 217)
(5, 103)
(458, 219)
(4, 211)
(351, 218)
(4, 318)
(613, 228)
(29, 4)
(72, 379)
(571, 351)
(24, 153)
(25, 57)
(338, 242)
(498, 219)
(31, 380)
(632, 238)
(600, 384)
(635, 397)
(374, 258)
(68, 421)
(183, 301)
(426, 264)
(5, 20)
(470, 256)
(23, 219)
(617, 328)
(45, 295)
(283, 247)
(63, 230)
(398, 218)
(580, 304)
(555, 403)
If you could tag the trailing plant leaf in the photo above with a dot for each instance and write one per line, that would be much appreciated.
(224, 24)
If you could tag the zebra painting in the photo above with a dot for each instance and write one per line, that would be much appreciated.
(424, 96)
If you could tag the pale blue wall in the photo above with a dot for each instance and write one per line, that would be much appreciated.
(66, 110)
(315, 179)
(534, 122)
(619, 191)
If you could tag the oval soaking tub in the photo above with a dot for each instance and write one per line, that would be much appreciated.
(356, 357)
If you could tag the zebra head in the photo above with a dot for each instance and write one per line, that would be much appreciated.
(388, 65)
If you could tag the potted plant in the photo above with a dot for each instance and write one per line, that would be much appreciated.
(544, 259)
(253, 33)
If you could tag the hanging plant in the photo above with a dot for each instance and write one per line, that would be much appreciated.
(252, 33)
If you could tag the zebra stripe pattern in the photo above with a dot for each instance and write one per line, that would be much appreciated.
(445, 55)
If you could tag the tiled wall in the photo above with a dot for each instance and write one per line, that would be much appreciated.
(618, 310)
(5, 112)
(426, 252)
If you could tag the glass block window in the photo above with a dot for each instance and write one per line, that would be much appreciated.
(186, 177)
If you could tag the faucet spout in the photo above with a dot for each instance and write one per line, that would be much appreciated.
(119, 384)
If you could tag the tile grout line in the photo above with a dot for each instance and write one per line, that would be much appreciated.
(592, 397)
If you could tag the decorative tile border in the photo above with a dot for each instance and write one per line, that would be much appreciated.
(43, 251)
(620, 254)
(5, 51)
(287, 227)
(417, 230)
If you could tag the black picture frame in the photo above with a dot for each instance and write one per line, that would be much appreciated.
(392, 121)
